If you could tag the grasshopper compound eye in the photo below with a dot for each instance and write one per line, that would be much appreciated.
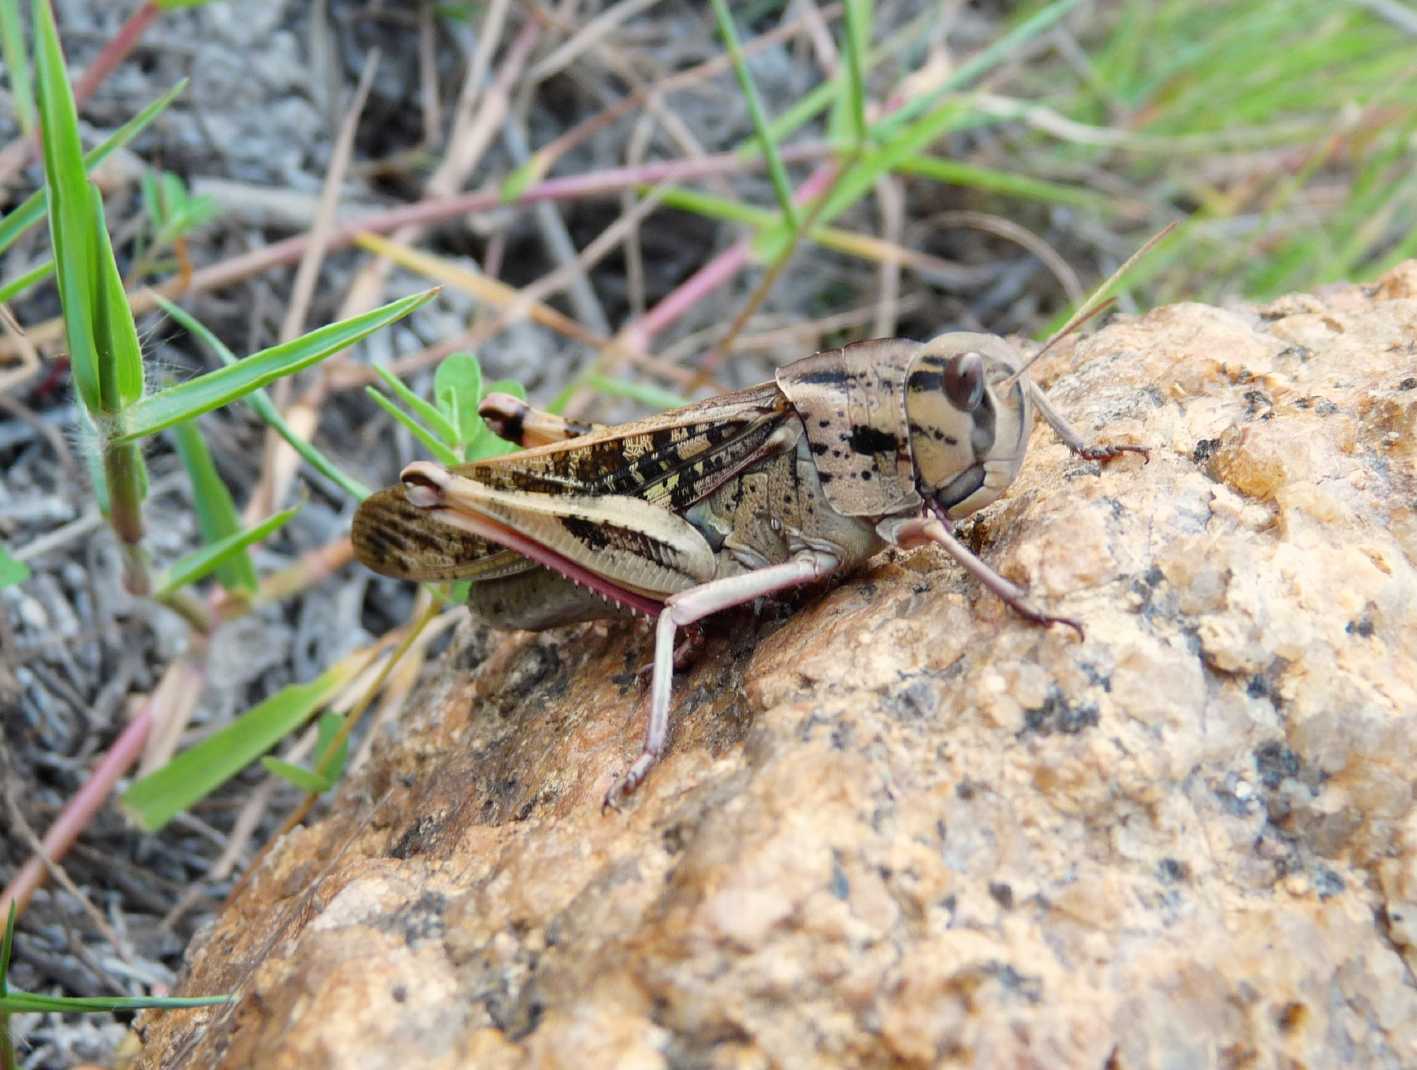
(964, 381)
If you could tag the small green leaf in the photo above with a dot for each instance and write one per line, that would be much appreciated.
(225, 385)
(11, 570)
(298, 775)
(431, 418)
(216, 511)
(200, 770)
(430, 441)
(651, 397)
(517, 183)
(457, 388)
(192, 567)
(330, 758)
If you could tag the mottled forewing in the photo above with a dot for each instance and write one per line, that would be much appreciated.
(852, 404)
(672, 460)
(397, 539)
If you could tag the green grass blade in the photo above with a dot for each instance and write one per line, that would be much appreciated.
(265, 408)
(986, 60)
(70, 207)
(192, 567)
(32, 209)
(431, 418)
(431, 442)
(17, 64)
(25, 281)
(12, 571)
(7, 947)
(120, 356)
(856, 48)
(19, 1002)
(776, 171)
(196, 772)
(297, 775)
(225, 385)
(216, 511)
(1004, 182)
(652, 397)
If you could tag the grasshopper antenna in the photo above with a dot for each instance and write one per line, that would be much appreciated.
(1093, 306)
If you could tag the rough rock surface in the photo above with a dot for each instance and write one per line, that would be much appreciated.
(899, 826)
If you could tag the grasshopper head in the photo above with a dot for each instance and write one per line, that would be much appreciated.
(967, 435)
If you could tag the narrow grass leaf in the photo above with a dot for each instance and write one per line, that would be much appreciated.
(11, 570)
(651, 397)
(18, 1002)
(265, 408)
(298, 775)
(431, 442)
(225, 385)
(428, 414)
(19, 285)
(776, 171)
(216, 511)
(7, 947)
(331, 747)
(200, 770)
(1008, 183)
(856, 47)
(199, 563)
(17, 64)
(32, 209)
(1037, 24)
(70, 207)
(120, 356)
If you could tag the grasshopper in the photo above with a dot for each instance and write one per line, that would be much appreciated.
(745, 495)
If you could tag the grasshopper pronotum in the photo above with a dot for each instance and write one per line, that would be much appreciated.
(683, 514)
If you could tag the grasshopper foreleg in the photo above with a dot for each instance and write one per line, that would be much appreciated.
(915, 531)
(692, 605)
(1101, 451)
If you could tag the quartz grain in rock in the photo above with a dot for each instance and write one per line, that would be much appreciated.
(901, 826)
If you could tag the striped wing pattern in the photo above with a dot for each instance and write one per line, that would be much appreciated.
(671, 460)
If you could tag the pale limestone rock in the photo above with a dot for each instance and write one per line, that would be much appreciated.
(900, 826)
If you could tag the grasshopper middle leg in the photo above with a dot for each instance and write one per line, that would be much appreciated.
(692, 605)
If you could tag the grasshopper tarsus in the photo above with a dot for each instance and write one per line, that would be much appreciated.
(1108, 452)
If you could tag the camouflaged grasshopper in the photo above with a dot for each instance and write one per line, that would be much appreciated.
(880, 443)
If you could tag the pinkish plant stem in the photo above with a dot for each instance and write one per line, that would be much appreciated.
(714, 274)
(597, 184)
(79, 811)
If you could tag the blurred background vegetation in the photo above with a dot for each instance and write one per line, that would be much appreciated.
(626, 203)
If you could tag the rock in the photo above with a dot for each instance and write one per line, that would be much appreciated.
(899, 825)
